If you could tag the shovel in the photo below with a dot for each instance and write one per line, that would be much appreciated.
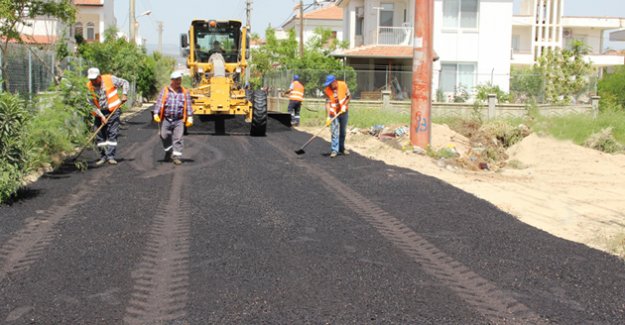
(301, 151)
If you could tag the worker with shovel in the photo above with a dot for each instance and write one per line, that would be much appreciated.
(105, 99)
(173, 112)
(337, 106)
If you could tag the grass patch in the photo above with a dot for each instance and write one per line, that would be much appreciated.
(614, 244)
(445, 153)
(516, 164)
(580, 127)
(360, 117)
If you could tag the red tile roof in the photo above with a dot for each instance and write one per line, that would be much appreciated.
(89, 2)
(331, 12)
(36, 39)
(378, 51)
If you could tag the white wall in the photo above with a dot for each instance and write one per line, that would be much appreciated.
(525, 38)
(42, 26)
(495, 37)
(488, 46)
(590, 36)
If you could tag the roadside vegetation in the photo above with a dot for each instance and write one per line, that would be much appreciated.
(277, 57)
(38, 132)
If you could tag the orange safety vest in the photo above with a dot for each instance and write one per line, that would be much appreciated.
(297, 91)
(112, 98)
(164, 101)
(339, 98)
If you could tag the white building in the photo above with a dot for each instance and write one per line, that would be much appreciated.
(326, 16)
(471, 39)
(92, 18)
(541, 25)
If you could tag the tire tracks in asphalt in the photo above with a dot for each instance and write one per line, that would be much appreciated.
(28, 245)
(496, 305)
(161, 279)
(144, 161)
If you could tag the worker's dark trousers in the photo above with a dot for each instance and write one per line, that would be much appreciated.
(294, 108)
(106, 139)
(172, 132)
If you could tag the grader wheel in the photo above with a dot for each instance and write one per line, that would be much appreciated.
(259, 114)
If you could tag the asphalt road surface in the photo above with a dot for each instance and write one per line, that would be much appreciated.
(246, 231)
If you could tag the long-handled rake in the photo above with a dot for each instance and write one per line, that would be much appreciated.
(301, 151)
(92, 136)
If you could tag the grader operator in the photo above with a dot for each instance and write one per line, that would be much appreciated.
(217, 57)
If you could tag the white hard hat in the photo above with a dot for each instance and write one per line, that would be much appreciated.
(175, 75)
(93, 73)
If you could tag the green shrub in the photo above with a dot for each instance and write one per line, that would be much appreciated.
(10, 180)
(56, 129)
(604, 141)
(482, 92)
(504, 132)
(611, 88)
(13, 116)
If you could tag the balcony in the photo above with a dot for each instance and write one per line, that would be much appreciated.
(394, 35)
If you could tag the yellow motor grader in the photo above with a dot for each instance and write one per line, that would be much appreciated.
(216, 54)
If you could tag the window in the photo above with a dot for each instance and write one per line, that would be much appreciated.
(460, 13)
(457, 75)
(90, 31)
(386, 14)
(360, 21)
(78, 30)
(516, 43)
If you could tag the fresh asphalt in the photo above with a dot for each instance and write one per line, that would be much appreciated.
(246, 231)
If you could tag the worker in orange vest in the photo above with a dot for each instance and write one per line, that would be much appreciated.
(173, 112)
(338, 100)
(296, 97)
(104, 97)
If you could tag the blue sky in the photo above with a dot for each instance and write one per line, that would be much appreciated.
(176, 15)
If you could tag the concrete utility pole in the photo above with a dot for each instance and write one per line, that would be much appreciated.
(301, 28)
(248, 14)
(133, 22)
(420, 122)
(160, 37)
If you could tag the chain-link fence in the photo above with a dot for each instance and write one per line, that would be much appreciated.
(448, 86)
(31, 70)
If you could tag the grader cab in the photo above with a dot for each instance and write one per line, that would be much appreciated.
(217, 59)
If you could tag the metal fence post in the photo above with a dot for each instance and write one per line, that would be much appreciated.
(52, 67)
(30, 74)
(1, 80)
(492, 106)
(594, 100)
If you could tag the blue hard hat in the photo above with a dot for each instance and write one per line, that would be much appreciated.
(295, 77)
(329, 79)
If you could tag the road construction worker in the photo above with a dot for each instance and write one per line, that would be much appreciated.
(296, 97)
(173, 112)
(106, 101)
(338, 96)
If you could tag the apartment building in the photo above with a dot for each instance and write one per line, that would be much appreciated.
(471, 41)
(541, 25)
(327, 16)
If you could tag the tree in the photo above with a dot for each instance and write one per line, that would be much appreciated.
(126, 60)
(16, 13)
(612, 90)
(278, 56)
(565, 72)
